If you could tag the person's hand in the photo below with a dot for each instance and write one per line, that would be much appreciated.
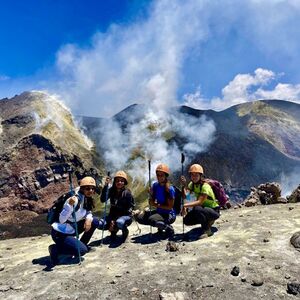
(182, 180)
(72, 200)
(107, 180)
(152, 202)
(87, 225)
(112, 226)
(183, 211)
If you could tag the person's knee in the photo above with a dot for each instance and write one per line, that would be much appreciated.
(128, 222)
(120, 223)
(172, 220)
(83, 250)
(101, 224)
(95, 223)
(160, 224)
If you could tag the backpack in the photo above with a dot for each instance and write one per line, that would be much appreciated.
(56, 208)
(178, 199)
(218, 190)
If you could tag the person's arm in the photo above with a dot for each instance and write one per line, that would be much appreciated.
(88, 221)
(152, 201)
(168, 206)
(198, 202)
(104, 190)
(68, 209)
(169, 201)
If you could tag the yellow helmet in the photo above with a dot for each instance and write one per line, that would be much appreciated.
(195, 168)
(163, 168)
(122, 174)
(87, 181)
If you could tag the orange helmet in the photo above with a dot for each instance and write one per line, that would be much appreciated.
(122, 174)
(163, 168)
(195, 168)
(87, 181)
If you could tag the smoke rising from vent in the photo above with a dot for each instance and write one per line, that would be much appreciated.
(156, 137)
(54, 112)
(289, 182)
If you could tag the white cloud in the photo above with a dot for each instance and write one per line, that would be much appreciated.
(245, 88)
(144, 62)
(238, 90)
(149, 60)
(194, 100)
(137, 63)
(282, 91)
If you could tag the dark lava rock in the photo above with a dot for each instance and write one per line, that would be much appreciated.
(295, 196)
(295, 240)
(235, 271)
(293, 288)
(172, 246)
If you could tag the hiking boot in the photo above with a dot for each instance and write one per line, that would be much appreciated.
(160, 232)
(207, 233)
(53, 254)
(125, 233)
(91, 249)
(169, 231)
(210, 223)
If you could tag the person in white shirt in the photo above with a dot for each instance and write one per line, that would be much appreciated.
(63, 232)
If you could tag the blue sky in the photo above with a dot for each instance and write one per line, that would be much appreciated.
(101, 56)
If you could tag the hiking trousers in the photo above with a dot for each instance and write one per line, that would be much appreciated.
(67, 243)
(159, 220)
(201, 215)
(121, 222)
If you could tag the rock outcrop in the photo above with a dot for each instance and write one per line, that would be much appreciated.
(295, 196)
(267, 193)
(39, 142)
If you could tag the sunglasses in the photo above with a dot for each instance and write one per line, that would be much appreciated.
(160, 175)
(89, 188)
(120, 180)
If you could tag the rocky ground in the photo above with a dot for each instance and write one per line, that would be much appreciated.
(254, 239)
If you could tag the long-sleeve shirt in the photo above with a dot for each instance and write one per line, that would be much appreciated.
(121, 205)
(66, 216)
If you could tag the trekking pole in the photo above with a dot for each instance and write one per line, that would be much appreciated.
(74, 214)
(138, 228)
(149, 169)
(182, 187)
(105, 205)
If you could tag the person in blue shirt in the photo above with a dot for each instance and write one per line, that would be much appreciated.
(162, 196)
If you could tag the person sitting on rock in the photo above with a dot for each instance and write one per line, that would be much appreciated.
(204, 208)
(162, 196)
(121, 206)
(63, 232)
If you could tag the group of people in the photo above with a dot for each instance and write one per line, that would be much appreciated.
(200, 206)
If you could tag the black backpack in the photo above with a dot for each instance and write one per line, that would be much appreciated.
(178, 199)
(56, 208)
